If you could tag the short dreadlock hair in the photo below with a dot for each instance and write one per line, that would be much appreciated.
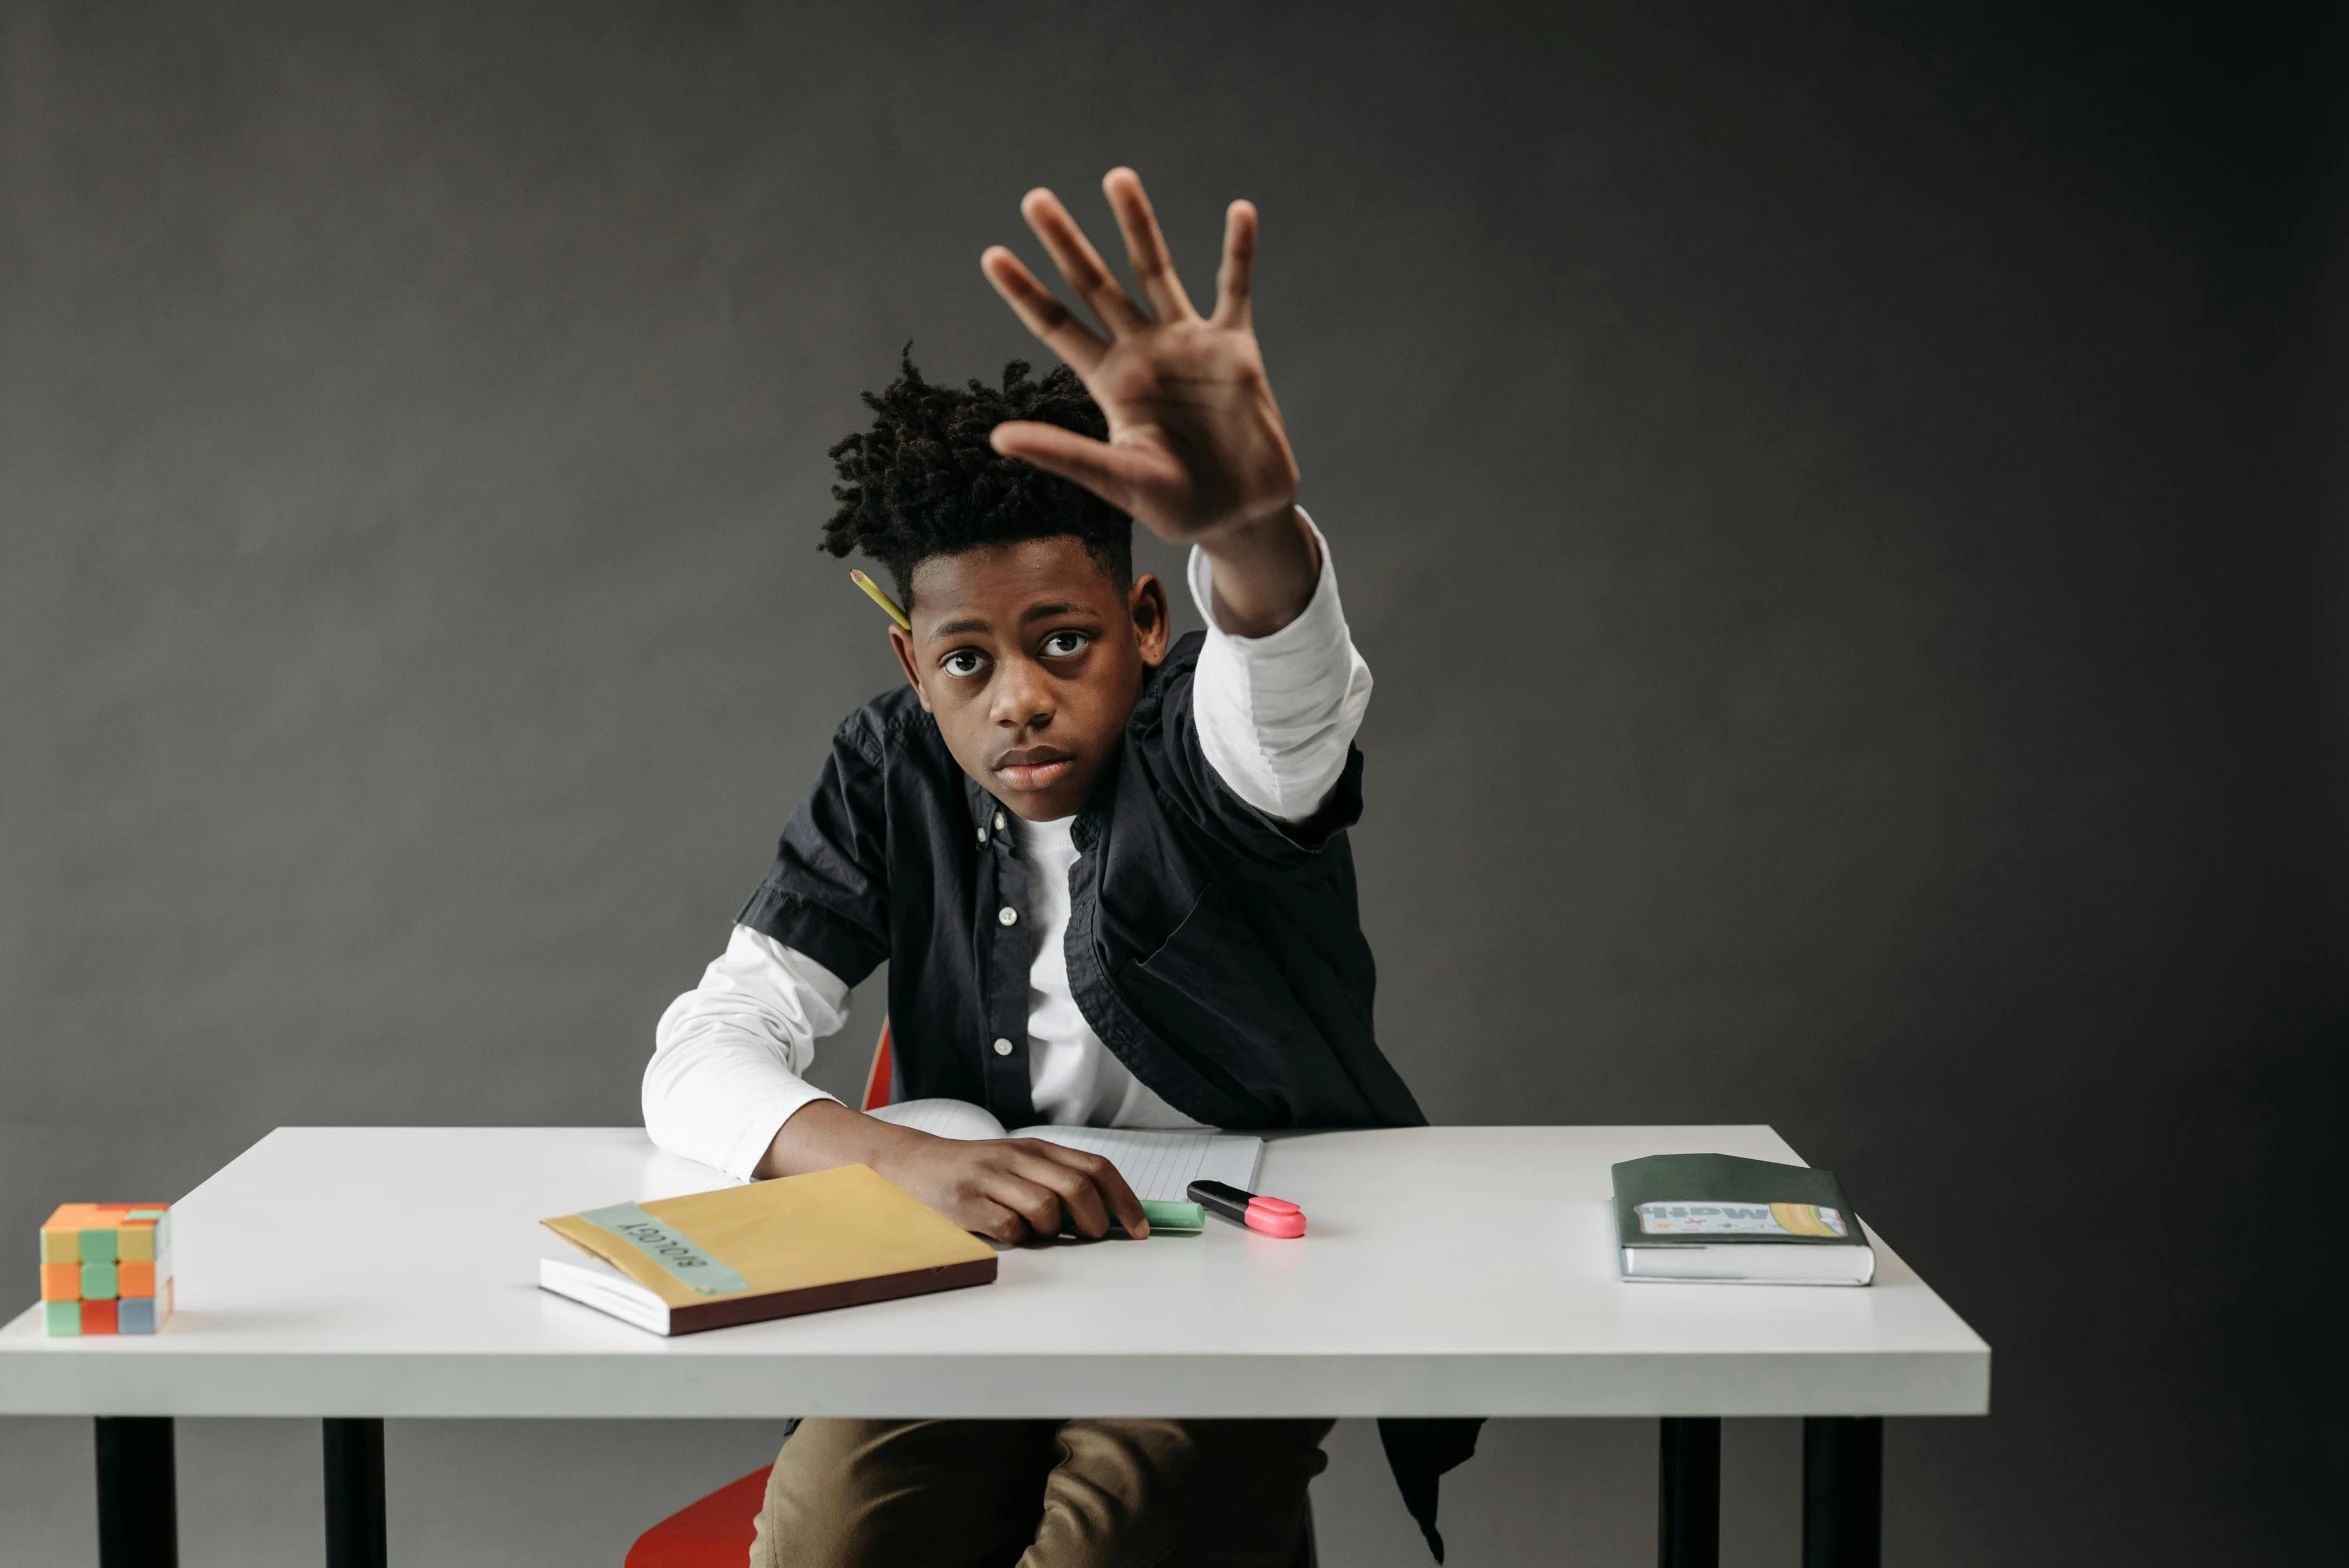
(923, 481)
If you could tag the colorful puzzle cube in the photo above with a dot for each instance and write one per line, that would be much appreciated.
(106, 1268)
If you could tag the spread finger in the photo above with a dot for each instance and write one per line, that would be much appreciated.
(1238, 274)
(1146, 246)
(1053, 323)
(1087, 274)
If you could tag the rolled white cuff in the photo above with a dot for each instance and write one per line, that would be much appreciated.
(728, 1054)
(1276, 714)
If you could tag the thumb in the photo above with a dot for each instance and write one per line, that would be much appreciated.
(1118, 475)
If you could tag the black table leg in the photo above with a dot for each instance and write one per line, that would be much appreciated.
(1843, 1491)
(138, 1497)
(1688, 1492)
(354, 1493)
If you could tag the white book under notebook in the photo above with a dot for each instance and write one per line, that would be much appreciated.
(1159, 1166)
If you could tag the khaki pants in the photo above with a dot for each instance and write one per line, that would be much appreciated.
(1041, 1494)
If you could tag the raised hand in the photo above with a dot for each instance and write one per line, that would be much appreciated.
(1196, 450)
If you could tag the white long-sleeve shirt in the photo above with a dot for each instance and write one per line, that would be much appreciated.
(1275, 717)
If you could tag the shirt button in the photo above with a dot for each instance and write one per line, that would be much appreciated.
(999, 822)
(1007, 915)
(1003, 1048)
(982, 835)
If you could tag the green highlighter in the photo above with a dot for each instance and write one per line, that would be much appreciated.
(1162, 1216)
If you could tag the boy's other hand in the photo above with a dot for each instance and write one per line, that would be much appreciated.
(1008, 1189)
(1196, 450)
(1013, 1189)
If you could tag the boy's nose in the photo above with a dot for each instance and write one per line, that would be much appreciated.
(1023, 697)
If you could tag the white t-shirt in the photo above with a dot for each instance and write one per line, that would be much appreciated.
(1073, 1079)
(1275, 715)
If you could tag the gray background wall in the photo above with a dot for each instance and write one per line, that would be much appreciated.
(1842, 512)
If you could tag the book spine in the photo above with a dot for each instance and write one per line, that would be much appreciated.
(823, 1298)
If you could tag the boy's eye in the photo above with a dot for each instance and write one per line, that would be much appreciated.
(962, 661)
(1061, 645)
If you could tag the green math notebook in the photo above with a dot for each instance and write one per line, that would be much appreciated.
(1726, 1219)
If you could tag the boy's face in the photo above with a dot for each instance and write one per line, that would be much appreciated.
(1031, 660)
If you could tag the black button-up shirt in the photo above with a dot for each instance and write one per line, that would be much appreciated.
(1215, 950)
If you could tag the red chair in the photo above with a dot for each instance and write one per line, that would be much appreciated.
(717, 1531)
(881, 1077)
(713, 1533)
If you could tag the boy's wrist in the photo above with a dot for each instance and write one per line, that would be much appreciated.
(1263, 572)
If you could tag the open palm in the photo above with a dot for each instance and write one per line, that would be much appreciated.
(1196, 449)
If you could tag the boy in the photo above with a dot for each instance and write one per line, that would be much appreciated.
(1110, 878)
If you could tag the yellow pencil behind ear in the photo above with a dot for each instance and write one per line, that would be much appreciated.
(873, 591)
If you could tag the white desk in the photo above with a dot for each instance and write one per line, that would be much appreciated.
(373, 1272)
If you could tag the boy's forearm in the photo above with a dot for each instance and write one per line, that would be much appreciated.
(1264, 573)
(824, 1134)
(1012, 1189)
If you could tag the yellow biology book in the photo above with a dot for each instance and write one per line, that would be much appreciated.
(772, 1249)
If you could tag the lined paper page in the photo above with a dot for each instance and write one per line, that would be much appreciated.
(1161, 1166)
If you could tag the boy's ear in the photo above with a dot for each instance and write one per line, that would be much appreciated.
(902, 640)
(1146, 603)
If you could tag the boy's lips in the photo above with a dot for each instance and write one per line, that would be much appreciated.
(1035, 767)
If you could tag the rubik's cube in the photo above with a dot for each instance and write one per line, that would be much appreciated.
(106, 1268)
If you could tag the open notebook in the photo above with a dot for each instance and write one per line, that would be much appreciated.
(1159, 1166)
